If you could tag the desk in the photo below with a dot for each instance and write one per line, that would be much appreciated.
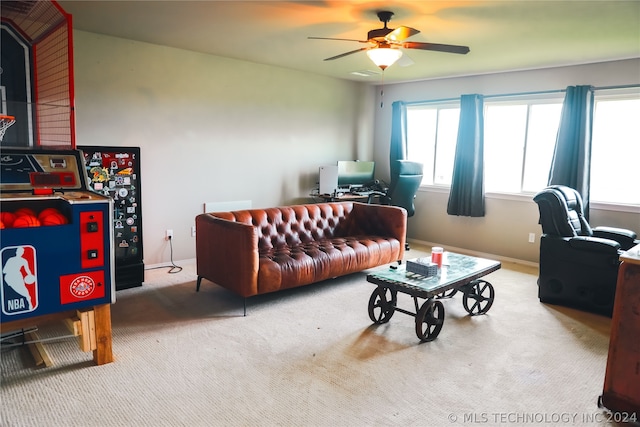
(341, 197)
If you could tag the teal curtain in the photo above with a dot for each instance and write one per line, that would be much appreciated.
(571, 163)
(466, 197)
(398, 144)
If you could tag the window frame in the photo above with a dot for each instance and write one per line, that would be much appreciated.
(528, 100)
(435, 105)
(612, 94)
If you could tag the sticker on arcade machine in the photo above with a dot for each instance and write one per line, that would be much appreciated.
(19, 291)
(81, 287)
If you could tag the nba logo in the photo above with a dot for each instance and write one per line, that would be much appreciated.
(19, 291)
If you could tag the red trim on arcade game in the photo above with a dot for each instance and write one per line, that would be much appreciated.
(72, 95)
(91, 240)
(72, 91)
(34, 69)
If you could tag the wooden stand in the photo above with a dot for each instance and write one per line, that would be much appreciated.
(40, 355)
(622, 379)
(91, 326)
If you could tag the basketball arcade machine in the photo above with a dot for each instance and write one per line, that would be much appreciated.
(56, 234)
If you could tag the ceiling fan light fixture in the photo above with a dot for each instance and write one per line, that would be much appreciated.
(384, 57)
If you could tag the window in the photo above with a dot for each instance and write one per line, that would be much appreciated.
(505, 128)
(615, 150)
(431, 140)
(519, 141)
(544, 121)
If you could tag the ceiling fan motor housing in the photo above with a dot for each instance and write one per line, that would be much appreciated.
(385, 16)
(381, 33)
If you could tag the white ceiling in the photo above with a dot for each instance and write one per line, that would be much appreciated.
(502, 35)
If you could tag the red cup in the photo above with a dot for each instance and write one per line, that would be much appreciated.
(436, 255)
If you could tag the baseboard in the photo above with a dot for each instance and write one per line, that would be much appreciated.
(475, 253)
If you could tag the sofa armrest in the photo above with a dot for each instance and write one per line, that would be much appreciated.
(594, 244)
(227, 253)
(625, 237)
(380, 220)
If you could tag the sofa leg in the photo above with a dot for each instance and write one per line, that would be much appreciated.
(198, 283)
(244, 303)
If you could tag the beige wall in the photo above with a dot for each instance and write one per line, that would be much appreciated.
(213, 129)
(505, 229)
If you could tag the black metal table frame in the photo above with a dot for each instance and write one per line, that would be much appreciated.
(478, 297)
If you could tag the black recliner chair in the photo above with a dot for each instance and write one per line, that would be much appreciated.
(578, 264)
(404, 187)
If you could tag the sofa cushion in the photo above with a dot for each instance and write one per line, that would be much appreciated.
(286, 266)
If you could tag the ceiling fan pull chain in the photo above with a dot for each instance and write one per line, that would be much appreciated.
(382, 91)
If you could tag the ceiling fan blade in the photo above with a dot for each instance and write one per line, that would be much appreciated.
(331, 38)
(405, 60)
(449, 48)
(345, 54)
(401, 33)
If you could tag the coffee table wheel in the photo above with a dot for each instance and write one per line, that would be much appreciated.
(382, 304)
(478, 297)
(448, 294)
(429, 320)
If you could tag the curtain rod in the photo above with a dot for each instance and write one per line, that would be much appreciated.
(503, 95)
(616, 87)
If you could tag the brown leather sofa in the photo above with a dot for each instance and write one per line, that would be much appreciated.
(257, 251)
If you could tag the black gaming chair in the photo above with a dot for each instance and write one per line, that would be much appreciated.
(578, 264)
(404, 186)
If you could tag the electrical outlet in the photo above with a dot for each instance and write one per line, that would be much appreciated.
(193, 231)
(168, 234)
(532, 237)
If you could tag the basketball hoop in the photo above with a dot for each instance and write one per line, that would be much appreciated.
(5, 123)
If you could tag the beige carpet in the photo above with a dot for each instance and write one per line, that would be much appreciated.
(312, 357)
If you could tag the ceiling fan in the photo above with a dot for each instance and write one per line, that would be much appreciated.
(385, 43)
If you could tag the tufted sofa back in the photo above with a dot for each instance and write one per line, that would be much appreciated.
(292, 225)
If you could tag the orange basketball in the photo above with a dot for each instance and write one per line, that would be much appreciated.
(48, 211)
(24, 211)
(26, 221)
(7, 219)
(53, 218)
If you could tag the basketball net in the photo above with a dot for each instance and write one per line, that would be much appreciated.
(5, 123)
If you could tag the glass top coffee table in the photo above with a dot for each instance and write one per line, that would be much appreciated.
(458, 273)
